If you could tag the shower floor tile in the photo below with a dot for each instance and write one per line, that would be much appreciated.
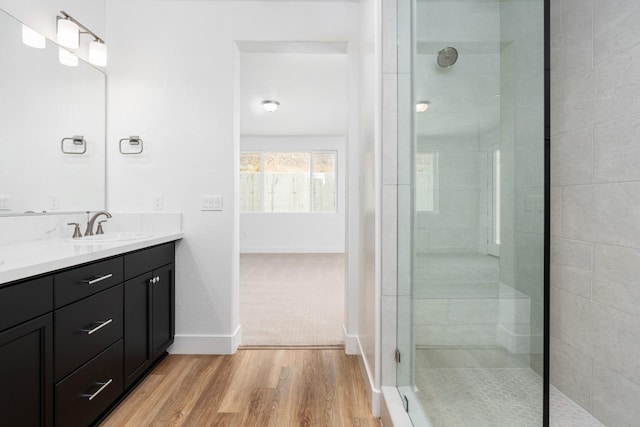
(490, 397)
(480, 397)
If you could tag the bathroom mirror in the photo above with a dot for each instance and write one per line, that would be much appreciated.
(45, 107)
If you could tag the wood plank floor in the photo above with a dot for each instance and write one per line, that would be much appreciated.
(254, 387)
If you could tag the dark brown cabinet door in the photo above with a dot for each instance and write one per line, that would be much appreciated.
(162, 309)
(137, 324)
(149, 319)
(26, 374)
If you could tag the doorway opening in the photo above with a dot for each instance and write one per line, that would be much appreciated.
(292, 176)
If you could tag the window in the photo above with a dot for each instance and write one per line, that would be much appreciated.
(288, 182)
(425, 182)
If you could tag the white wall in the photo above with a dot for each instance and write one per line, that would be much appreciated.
(173, 77)
(274, 232)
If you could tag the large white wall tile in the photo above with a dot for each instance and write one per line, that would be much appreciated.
(615, 277)
(616, 26)
(390, 129)
(615, 400)
(556, 211)
(572, 158)
(571, 372)
(571, 42)
(571, 263)
(388, 340)
(389, 240)
(569, 320)
(616, 152)
(603, 213)
(389, 36)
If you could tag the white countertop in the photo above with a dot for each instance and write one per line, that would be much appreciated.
(24, 260)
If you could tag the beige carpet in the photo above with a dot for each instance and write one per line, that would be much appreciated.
(291, 299)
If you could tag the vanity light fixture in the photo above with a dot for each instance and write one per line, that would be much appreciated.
(67, 58)
(69, 30)
(32, 38)
(422, 106)
(98, 53)
(270, 106)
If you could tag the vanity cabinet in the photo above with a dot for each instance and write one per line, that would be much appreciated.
(148, 308)
(26, 353)
(74, 341)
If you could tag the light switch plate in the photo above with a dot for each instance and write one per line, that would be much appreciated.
(54, 202)
(158, 202)
(211, 203)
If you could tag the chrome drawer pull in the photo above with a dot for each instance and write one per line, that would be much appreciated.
(98, 279)
(105, 385)
(100, 326)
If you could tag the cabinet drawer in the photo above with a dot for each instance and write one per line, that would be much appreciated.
(24, 301)
(80, 282)
(85, 328)
(86, 394)
(140, 262)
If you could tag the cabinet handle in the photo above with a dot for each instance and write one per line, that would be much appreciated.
(104, 385)
(100, 326)
(98, 279)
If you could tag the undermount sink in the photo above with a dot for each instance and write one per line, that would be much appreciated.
(112, 237)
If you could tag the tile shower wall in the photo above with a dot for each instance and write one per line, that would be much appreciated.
(595, 206)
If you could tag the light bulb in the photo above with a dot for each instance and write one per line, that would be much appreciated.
(67, 58)
(32, 38)
(98, 53)
(68, 34)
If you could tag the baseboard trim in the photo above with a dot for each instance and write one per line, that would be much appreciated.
(292, 250)
(207, 344)
(373, 392)
(351, 345)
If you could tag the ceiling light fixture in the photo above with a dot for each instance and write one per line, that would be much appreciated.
(32, 38)
(69, 30)
(422, 106)
(270, 106)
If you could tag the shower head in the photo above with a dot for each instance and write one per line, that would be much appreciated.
(447, 57)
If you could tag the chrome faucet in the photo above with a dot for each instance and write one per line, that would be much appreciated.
(92, 220)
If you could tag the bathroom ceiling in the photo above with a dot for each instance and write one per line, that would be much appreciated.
(311, 88)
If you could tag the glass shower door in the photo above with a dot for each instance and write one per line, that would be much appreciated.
(471, 322)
